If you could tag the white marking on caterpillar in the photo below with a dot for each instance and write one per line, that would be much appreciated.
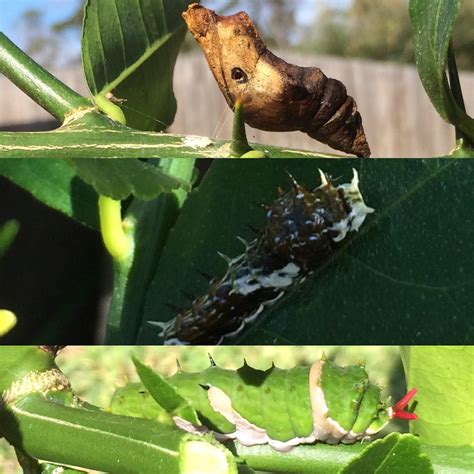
(247, 433)
(190, 427)
(324, 428)
(324, 179)
(352, 436)
(359, 210)
(282, 278)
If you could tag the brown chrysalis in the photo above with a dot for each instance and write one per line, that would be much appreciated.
(276, 96)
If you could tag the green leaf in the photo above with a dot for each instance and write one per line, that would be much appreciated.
(120, 179)
(433, 23)
(134, 400)
(130, 49)
(395, 454)
(443, 376)
(451, 459)
(165, 394)
(394, 282)
(54, 183)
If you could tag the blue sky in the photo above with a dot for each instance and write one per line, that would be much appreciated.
(54, 10)
(12, 10)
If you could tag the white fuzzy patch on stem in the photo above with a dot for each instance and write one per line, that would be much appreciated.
(45, 381)
(196, 142)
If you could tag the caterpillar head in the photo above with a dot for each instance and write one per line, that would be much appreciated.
(307, 222)
(355, 202)
(346, 406)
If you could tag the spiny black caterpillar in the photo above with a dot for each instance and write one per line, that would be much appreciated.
(302, 229)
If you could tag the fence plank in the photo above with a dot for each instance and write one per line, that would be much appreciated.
(398, 117)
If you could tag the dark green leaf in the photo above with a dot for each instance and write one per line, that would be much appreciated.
(433, 23)
(8, 232)
(54, 183)
(130, 49)
(120, 179)
(395, 454)
(395, 282)
(443, 376)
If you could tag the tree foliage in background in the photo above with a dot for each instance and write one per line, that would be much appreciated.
(374, 30)
(380, 30)
(41, 42)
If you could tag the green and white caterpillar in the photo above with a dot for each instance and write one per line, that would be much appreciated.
(282, 408)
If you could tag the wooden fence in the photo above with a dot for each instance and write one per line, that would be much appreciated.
(398, 117)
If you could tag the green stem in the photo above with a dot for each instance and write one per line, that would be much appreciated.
(97, 135)
(98, 440)
(8, 232)
(321, 458)
(45, 89)
(326, 459)
(43, 419)
(55, 469)
(153, 222)
(240, 145)
(182, 169)
(116, 238)
(456, 89)
(27, 463)
(109, 108)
